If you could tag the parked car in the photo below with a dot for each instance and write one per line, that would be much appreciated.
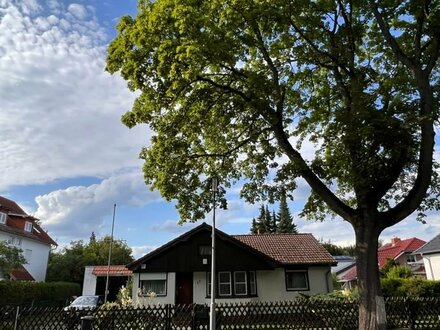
(85, 302)
(81, 306)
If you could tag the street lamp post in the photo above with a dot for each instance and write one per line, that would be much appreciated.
(109, 256)
(214, 187)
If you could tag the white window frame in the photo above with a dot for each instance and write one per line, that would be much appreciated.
(253, 283)
(158, 294)
(245, 283)
(221, 284)
(153, 277)
(14, 241)
(28, 255)
(306, 277)
(410, 259)
(3, 217)
(28, 226)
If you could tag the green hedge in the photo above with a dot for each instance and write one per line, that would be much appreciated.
(410, 287)
(47, 293)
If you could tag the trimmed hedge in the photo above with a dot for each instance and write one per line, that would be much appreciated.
(410, 287)
(47, 293)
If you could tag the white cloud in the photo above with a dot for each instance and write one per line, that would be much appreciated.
(59, 112)
(140, 251)
(75, 212)
(77, 10)
(172, 226)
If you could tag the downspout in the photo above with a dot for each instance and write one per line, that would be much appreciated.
(327, 284)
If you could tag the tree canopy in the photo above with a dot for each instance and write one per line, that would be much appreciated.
(242, 89)
(68, 264)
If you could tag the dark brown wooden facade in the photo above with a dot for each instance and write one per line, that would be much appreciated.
(184, 255)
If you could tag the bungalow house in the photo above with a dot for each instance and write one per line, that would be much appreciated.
(259, 267)
(23, 231)
(430, 253)
(402, 251)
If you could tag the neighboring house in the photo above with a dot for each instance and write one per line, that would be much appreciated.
(22, 231)
(95, 280)
(345, 263)
(430, 253)
(402, 251)
(259, 267)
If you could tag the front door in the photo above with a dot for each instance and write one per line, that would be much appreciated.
(184, 288)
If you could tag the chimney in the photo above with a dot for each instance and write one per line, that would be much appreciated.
(395, 240)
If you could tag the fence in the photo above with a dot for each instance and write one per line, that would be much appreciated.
(414, 313)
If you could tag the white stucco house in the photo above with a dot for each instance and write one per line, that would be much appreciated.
(257, 267)
(430, 253)
(23, 231)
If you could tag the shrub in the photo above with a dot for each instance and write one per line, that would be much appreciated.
(410, 287)
(17, 293)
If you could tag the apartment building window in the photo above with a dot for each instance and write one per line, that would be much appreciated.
(28, 255)
(14, 241)
(28, 226)
(3, 218)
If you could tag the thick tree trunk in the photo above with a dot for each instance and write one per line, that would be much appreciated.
(372, 315)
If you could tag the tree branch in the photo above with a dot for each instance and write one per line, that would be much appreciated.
(315, 183)
(383, 25)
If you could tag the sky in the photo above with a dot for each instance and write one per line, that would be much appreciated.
(66, 156)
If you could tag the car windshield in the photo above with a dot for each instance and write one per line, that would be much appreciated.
(85, 301)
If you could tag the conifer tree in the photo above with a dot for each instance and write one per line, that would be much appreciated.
(285, 219)
(254, 227)
(274, 222)
(268, 221)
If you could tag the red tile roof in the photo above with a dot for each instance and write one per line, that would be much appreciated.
(21, 274)
(17, 219)
(113, 271)
(8, 205)
(288, 248)
(393, 251)
(389, 251)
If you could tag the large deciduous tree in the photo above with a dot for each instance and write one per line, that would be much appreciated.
(238, 89)
(68, 264)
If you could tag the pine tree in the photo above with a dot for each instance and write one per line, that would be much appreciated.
(285, 219)
(268, 221)
(261, 226)
(254, 227)
(274, 222)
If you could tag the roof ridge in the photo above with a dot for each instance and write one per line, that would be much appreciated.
(271, 234)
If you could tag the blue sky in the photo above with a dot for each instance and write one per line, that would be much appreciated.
(66, 157)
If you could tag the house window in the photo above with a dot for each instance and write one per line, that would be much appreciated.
(252, 283)
(224, 284)
(240, 283)
(410, 258)
(15, 241)
(205, 250)
(297, 280)
(28, 226)
(156, 286)
(28, 255)
(3, 218)
(244, 284)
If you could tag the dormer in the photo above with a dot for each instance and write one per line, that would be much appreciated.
(28, 226)
(3, 217)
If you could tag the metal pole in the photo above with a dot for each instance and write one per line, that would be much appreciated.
(213, 282)
(109, 255)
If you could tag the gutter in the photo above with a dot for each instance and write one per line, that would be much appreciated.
(327, 284)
